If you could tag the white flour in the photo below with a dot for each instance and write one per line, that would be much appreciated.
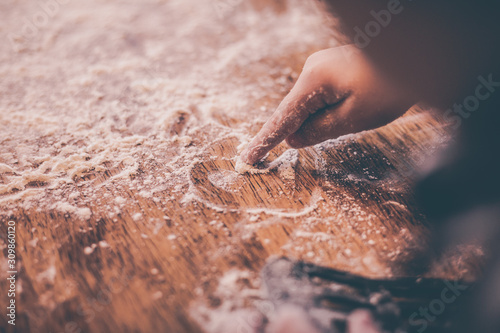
(110, 99)
(285, 164)
(132, 96)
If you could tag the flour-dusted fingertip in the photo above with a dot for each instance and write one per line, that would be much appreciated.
(242, 167)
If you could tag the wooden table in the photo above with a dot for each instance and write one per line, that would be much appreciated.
(149, 266)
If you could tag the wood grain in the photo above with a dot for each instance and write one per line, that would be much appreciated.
(350, 207)
(216, 72)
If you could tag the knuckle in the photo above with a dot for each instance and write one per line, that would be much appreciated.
(316, 58)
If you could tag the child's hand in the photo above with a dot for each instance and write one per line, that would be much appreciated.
(339, 92)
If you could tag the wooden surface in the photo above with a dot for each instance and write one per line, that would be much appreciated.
(350, 207)
(148, 265)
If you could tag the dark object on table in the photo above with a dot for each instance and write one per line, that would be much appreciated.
(328, 296)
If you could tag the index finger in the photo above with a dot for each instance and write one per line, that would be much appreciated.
(287, 119)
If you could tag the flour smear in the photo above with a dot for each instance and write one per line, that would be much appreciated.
(131, 97)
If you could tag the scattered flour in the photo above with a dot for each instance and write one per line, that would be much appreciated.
(104, 244)
(81, 133)
(285, 164)
(4, 168)
(82, 213)
(233, 314)
(226, 180)
(88, 250)
(49, 275)
(137, 217)
(137, 103)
